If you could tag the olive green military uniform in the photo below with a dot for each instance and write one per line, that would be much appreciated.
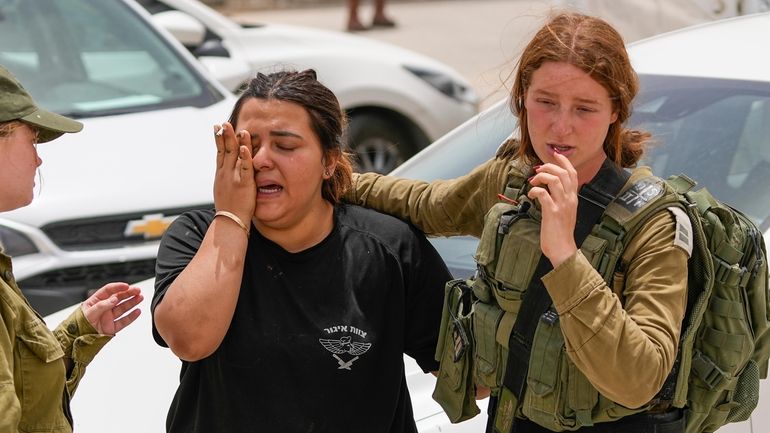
(623, 338)
(34, 384)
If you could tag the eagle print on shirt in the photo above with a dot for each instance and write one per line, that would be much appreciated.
(346, 346)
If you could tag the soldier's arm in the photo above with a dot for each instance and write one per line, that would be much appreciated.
(625, 341)
(439, 208)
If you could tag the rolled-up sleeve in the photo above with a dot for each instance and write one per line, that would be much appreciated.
(80, 343)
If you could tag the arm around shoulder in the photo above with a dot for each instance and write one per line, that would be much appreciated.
(439, 208)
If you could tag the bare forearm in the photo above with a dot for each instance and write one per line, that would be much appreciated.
(197, 308)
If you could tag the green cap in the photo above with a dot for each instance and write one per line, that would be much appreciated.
(17, 104)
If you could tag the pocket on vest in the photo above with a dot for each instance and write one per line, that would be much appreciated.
(558, 395)
(455, 391)
(519, 254)
(489, 356)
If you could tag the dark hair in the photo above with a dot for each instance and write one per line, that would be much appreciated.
(327, 119)
(595, 47)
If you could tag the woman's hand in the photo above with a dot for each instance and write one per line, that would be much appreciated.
(104, 309)
(235, 189)
(555, 186)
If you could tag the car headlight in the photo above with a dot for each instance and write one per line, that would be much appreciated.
(14, 243)
(445, 84)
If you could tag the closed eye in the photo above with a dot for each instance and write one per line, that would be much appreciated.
(285, 147)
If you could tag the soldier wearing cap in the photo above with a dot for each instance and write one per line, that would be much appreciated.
(40, 369)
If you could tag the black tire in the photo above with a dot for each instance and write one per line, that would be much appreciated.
(380, 144)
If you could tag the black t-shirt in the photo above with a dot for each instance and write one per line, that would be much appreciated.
(317, 340)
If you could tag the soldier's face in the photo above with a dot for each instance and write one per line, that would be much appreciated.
(19, 161)
(568, 112)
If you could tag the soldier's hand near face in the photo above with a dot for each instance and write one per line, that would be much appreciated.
(555, 186)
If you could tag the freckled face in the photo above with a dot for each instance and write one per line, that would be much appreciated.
(288, 162)
(568, 112)
(18, 163)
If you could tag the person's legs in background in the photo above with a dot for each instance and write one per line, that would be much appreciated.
(379, 20)
(354, 24)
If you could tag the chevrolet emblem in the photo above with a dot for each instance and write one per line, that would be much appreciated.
(150, 226)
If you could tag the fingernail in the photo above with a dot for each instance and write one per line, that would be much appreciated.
(530, 178)
(537, 167)
(220, 131)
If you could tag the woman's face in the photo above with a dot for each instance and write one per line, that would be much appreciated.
(568, 112)
(288, 162)
(18, 163)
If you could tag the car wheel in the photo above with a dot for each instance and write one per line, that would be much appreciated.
(379, 144)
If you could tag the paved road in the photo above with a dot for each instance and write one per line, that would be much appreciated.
(481, 38)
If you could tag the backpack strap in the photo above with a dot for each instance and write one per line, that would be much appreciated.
(644, 197)
(516, 184)
(593, 198)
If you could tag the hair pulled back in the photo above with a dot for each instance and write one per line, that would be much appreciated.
(595, 47)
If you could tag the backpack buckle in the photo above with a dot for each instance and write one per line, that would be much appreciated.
(706, 370)
(727, 274)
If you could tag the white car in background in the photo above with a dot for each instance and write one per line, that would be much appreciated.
(398, 101)
(146, 153)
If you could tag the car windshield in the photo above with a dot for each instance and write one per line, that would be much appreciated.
(716, 131)
(86, 58)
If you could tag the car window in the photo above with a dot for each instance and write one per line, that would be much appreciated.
(715, 131)
(87, 58)
(454, 155)
(459, 151)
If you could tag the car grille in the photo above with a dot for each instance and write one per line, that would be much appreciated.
(91, 276)
(57, 289)
(110, 231)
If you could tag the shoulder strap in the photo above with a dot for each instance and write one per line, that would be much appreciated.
(642, 198)
(516, 184)
(593, 198)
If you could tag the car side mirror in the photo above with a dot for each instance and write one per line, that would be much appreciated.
(232, 73)
(211, 48)
(186, 29)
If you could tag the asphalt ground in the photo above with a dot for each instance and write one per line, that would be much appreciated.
(482, 38)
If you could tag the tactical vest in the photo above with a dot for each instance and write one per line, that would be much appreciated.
(480, 316)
